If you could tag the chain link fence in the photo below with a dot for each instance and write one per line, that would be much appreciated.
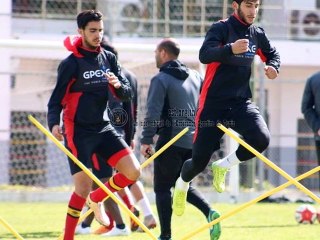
(144, 18)
(158, 18)
(133, 17)
(35, 161)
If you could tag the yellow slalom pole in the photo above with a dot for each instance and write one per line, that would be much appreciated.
(90, 174)
(247, 204)
(146, 163)
(96, 180)
(10, 228)
(164, 147)
(269, 163)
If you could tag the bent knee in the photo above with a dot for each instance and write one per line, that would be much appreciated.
(265, 140)
(261, 141)
(133, 174)
(130, 167)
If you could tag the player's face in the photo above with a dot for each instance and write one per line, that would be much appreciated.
(248, 10)
(92, 34)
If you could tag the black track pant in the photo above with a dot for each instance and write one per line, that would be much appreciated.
(242, 116)
(167, 169)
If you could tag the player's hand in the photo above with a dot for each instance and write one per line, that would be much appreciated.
(113, 79)
(132, 145)
(270, 72)
(57, 132)
(240, 46)
(146, 150)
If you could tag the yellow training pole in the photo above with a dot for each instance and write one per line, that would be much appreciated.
(146, 163)
(90, 174)
(247, 204)
(164, 147)
(269, 163)
(8, 226)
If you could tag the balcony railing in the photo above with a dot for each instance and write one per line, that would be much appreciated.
(176, 18)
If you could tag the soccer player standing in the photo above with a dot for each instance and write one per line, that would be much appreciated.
(123, 117)
(228, 50)
(85, 78)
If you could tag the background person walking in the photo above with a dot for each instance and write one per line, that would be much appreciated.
(171, 104)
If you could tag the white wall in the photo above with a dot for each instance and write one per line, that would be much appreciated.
(5, 19)
(5, 12)
(300, 4)
(284, 101)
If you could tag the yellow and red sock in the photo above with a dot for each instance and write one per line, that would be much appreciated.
(75, 206)
(114, 184)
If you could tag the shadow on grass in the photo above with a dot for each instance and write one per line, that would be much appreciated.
(264, 226)
(34, 235)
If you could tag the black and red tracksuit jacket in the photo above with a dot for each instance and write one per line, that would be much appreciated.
(81, 91)
(228, 75)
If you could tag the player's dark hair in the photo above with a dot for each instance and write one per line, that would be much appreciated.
(88, 16)
(240, 1)
(170, 46)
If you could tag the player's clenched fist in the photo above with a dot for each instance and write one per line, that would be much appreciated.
(57, 132)
(240, 46)
(270, 72)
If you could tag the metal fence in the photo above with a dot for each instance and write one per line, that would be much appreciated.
(33, 160)
(177, 18)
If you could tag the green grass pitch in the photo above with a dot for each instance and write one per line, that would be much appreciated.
(262, 221)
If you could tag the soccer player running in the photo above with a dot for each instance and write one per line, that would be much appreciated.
(171, 105)
(228, 50)
(85, 78)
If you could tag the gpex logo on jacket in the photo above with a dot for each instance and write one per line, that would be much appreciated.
(252, 50)
(90, 76)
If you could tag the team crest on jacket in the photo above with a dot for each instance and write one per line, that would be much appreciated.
(118, 117)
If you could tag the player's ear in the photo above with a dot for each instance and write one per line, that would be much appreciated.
(235, 5)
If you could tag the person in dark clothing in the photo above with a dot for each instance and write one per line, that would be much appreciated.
(85, 79)
(123, 117)
(125, 124)
(171, 106)
(228, 50)
(310, 107)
